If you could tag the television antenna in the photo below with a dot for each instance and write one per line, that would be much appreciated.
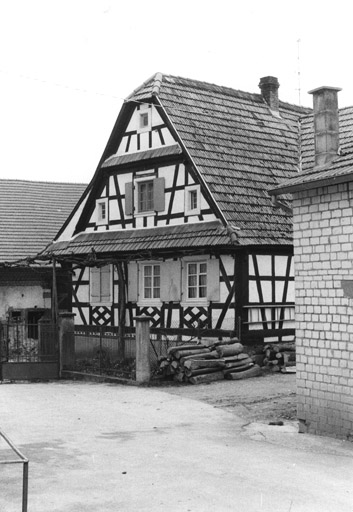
(299, 77)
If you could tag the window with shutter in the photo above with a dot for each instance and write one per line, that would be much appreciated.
(101, 285)
(145, 196)
(201, 280)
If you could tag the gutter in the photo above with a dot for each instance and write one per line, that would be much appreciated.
(299, 187)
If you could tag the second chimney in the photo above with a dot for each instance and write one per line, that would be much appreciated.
(326, 124)
(269, 89)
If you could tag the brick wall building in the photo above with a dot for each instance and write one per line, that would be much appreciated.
(323, 254)
(323, 238)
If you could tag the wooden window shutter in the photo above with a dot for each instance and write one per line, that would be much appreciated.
(213, 280)
(158, 194)
(129, 203)
(94, 283)
(105, 283)
(171, 281)
(132, 294)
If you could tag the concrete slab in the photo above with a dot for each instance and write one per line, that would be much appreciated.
(99, 447)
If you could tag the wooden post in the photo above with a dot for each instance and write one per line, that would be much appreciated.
(54, 304)
(143, 366)
(66, 341)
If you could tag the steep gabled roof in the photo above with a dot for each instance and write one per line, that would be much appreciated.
(31, 213)
(240, 149)
(339, 170)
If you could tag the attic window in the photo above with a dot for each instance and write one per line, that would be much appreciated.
(102, 211)
(192, 200)
(144, 121)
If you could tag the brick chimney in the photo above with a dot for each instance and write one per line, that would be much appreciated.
(326, 123)
(269, 89)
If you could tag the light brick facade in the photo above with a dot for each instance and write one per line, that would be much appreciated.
(323, 251)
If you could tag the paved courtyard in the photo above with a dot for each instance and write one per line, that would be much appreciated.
(104, 448)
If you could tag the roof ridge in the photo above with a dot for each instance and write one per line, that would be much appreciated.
(157, 79)
(38, 182)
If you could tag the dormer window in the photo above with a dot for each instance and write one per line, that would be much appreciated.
(144, 121)
(102, 211)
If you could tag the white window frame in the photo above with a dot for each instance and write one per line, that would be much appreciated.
(188, 191)
(142, 300)
(102, 203)
(198, 285)
(197, 301)
(93, 301)
(137, 183)
(141, 127)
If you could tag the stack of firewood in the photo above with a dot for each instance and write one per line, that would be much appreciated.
(279, 356)
(200, 363)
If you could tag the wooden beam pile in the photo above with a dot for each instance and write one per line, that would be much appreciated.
(279, 356)
(200, 363)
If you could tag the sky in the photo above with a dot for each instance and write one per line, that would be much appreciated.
(67, 65)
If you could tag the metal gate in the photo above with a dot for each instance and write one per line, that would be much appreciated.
(29, 351)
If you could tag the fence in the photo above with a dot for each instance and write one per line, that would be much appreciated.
(22, 342)
(21, 460)
(98, 349)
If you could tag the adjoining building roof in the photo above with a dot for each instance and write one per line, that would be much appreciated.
(339, 170)
(31, 213)
(240, 148)
(185, 236)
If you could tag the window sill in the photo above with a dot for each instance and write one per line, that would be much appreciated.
(196, 303)
(149, 302)
(150, 213)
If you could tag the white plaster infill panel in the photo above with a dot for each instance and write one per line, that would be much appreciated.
(137, 128)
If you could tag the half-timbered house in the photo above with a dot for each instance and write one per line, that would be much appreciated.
(177, 222)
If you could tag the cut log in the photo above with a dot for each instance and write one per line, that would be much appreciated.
(195, 364)
(205, 355)
(238, 357)
(201, 371)
(238, 369)
(184, 353)
(210, 377)
(239, 364)
(179, 377)
(247, 374)
(174, 365)
(225, 342)
(230, 350)
(171, 350)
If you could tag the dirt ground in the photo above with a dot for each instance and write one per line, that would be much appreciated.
(267, 398)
